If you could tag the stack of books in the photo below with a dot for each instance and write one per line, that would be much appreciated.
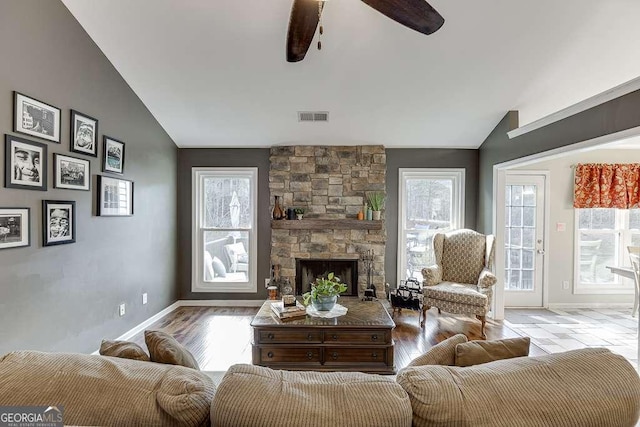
(287, 313)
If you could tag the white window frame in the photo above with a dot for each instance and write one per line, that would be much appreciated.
(623, 286)
(456, 175)
(198, 284)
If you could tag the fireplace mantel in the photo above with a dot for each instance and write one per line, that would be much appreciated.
(326, 224)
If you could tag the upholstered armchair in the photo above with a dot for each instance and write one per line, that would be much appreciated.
(461, 281)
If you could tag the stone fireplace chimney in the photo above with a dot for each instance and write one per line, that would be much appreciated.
(331, 184)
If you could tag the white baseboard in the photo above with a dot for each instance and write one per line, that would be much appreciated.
(185, 303)
(590, 305)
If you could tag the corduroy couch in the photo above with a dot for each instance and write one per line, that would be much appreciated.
(589, 387)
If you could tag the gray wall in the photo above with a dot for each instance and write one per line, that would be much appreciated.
(214, 157)
(425, 158)
(612, 116)
(65, 298)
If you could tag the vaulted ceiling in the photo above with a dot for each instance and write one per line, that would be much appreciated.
(214, 74)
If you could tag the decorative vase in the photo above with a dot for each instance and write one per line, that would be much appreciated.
(369, 214)
(375, 215)
(360, 215)
(277, 210)
(324, 302)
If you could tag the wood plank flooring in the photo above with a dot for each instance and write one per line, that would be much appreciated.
(219, 337)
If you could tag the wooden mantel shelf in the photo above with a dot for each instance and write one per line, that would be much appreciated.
(326, 224)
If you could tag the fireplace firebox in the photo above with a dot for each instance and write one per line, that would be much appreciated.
(307, 270)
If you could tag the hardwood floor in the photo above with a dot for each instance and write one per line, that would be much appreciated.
(219, 337)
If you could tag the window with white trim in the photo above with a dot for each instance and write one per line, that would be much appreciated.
(601, 240)
(224, 255)
(430, 201)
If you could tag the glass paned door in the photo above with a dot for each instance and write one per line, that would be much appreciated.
(523, 240)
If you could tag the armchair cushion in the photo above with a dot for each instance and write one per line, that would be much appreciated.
(478, 352)
(456, 293)
(486, 279)
(432, 275)
(443, 353)
(463, 257)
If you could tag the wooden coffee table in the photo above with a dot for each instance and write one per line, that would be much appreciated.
(358, 341)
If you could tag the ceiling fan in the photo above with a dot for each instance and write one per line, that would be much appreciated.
(306, 14)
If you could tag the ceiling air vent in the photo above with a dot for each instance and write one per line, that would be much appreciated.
(313, 116)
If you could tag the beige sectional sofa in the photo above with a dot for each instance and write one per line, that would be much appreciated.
(589, 387)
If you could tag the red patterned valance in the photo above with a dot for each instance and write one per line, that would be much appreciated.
(599, 185)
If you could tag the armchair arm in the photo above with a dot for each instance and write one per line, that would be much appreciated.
(432, 275)
(487, 279)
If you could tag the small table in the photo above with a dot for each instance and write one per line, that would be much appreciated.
(629, 274)
(358, 341)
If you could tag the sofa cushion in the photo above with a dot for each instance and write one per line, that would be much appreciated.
(587, 387)
(463, 256)
(477, 352)
(101, 390)
(443, 353)
(257, 396)
(456, 293)
(163, 348)
(123, 349)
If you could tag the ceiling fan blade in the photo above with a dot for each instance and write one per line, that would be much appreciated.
(302, 27)
(415, 14)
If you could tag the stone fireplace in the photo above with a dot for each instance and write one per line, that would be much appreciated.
(331, 184)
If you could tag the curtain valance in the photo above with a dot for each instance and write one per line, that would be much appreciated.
(600, 185)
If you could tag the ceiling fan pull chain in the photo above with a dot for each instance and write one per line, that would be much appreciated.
(321, 29)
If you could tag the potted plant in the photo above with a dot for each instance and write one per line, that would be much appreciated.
(299, 212)
(376, 201)
(324, 292)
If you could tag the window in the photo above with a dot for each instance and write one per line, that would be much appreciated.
(224, 229)
(602, 237)
(430, 201)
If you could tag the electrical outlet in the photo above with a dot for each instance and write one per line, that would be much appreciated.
(565, 284)
(122, 310)
(144, 298)
(266, 282)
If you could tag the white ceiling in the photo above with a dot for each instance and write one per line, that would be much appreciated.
(214, 74)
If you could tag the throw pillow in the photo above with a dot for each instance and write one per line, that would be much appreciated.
(163, 348)
(123, 349)
(477, 352)
(442, 353)
(218, 267)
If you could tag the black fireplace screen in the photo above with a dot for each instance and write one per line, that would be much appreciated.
(307, 270)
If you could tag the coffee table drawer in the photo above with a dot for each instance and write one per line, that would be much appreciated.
(341, 355)
(289, 355)
(358, 337)
(288, 336)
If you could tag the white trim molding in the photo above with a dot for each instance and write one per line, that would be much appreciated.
(601, 98)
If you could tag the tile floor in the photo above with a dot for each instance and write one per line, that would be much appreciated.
(560, 330)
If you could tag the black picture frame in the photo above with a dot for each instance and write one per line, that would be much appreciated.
(112, 155)
(15, 228)
(25, 164)
(71, 173)
(115, 196)
(36, 118)
(83, 134)
(58, 222)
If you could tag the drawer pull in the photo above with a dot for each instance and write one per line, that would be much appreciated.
(270, 354)
(374, 355)
(335, 337)
(270, 335)
(334, 355)
(310, 355)
(374, 337)
(310, 337)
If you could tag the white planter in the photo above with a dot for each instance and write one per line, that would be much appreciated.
(376, 215)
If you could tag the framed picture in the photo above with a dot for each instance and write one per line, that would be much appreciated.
(25, 164)
(70, 172)
(84, 134)
(35, 118)
(15, 227)
(115, 197)
(58, 222)
(113, 155)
